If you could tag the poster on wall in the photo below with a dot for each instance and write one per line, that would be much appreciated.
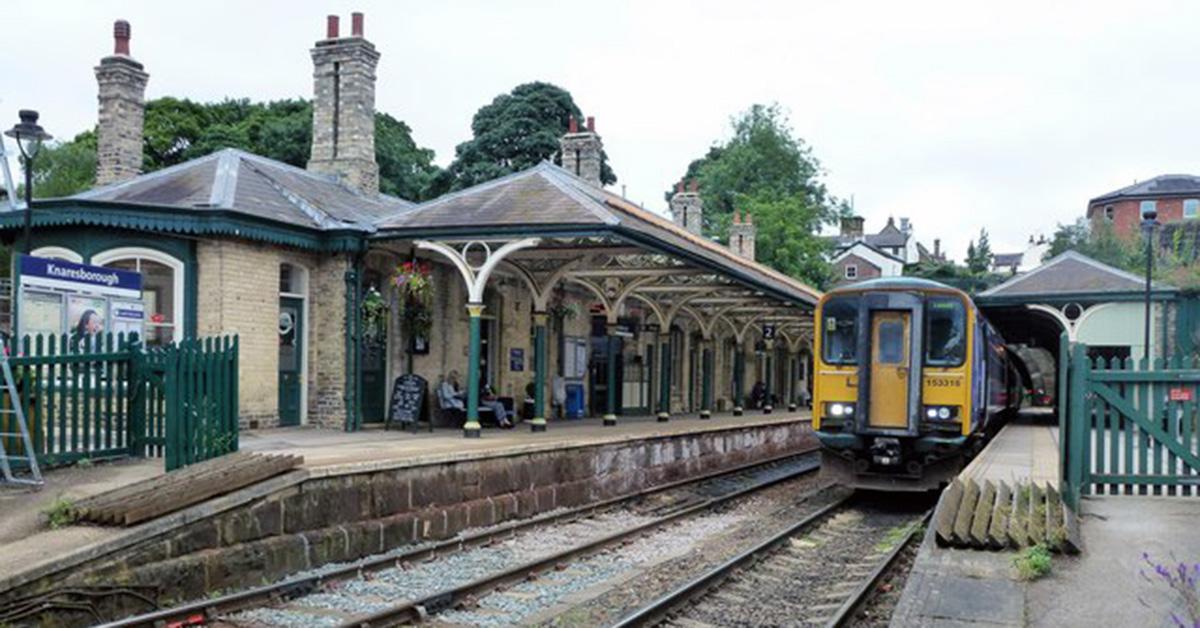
(516, 359)
(42, 313)
(128, 317)
(87, 316)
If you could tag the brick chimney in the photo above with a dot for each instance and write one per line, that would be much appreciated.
(687, 208)
(581, 151)
(852, 226)
(122, 97)
(742, 234)
(343, 139)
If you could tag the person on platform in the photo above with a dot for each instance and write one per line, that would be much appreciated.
(758, 394)
(455, 397)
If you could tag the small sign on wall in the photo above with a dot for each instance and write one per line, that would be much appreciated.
(1180, 393)
(516, 359)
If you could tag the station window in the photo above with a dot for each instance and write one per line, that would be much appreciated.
(945, 331)
(1109, 213)
(1149, 206)
(162, 289)
(839, 325)
(851, 271)
(1191, 208)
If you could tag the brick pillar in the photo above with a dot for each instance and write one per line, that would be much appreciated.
(582, 151)
(343, 139)
(122, 97)
(687, 209)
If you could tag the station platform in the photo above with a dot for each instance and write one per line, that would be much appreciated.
(1026, 450)
(424, 485)
(328, 451)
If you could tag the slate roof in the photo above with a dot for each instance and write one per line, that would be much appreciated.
(889, 236)
(1165, 185)
(860, 243)
(245, 183)
(548, 196)
(1071, 273)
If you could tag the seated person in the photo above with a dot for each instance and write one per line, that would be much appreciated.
(758, 394)
(450, 396)
(488, 399)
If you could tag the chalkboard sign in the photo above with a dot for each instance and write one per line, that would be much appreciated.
(408, 399)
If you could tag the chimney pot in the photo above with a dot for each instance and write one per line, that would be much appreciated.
(679, 187)
(356, 24)
(121, 32)
(591, 124)
(749, 219)
(331, 27)
(737, 217)
(572, 124)
(694, 186)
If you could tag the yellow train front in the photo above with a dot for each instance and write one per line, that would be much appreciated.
(910, 382)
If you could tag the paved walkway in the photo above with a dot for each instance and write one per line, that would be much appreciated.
(329, 451)
(1025, 449)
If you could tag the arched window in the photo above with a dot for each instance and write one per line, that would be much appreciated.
(58, 252)
(162, 288)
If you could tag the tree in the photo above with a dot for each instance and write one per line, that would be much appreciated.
(764, 169)
(979, 256)
(516, 131)
(177, 130)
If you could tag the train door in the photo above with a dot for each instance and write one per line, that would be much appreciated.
(891, 341)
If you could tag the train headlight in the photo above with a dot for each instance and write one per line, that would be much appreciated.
(941, 413)
(840, 410)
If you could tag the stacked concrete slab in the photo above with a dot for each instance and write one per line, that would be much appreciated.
(995, 515)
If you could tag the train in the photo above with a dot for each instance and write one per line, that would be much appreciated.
(910, 381)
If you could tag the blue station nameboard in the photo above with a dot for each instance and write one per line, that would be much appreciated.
(56, 274)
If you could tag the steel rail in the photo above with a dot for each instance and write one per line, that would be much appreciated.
(658, 610)
(202, 611)
(417, 610)
(860, 594)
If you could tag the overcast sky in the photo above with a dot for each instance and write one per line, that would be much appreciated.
(958, 115)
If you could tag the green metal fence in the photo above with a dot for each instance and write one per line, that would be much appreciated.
(109, 396)
(1130, 429)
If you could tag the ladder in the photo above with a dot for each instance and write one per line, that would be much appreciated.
(16, 410)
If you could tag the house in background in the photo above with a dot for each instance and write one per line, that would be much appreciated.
(1025, 261)
(857, 256)
(1176, 198)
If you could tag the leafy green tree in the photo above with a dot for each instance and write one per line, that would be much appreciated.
(979, 256)
(764, 169)
(177, 130)
(516, 131)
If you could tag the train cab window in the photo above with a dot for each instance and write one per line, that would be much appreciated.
(945, 331)
(839, 323)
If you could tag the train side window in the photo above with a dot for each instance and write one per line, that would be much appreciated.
(839, 326)
(945, 331)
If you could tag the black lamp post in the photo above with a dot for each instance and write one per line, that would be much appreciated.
(1148, 224)
(30, 136)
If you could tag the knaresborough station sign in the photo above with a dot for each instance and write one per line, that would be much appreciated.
(60, 297)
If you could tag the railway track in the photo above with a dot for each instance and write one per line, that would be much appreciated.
(816, 572)
(366, 593)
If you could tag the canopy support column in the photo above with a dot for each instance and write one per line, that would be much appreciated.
(706, 375)
(538, 423)
(739, 377)
(610, 417)
(768, 357)
(664, 388)
(472, 428)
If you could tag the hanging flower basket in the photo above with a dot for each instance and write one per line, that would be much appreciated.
(374, 315)
(414, 288)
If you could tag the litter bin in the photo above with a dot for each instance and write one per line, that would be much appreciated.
(574, 405)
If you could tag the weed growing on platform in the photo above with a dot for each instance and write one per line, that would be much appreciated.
(1183, 580)
(1032, 562)
(60, 513)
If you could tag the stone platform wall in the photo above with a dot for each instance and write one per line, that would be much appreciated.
(341, 517)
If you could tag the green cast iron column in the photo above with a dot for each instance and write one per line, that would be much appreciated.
(793, 375)
(770, 363)
(538, 424)
(610, 417)
(739, 378)
(664, 389)
(706, 381)
(472, 428)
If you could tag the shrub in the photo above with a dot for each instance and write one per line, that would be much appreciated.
(60, 513)
(1032, 562)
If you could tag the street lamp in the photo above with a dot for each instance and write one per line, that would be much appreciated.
(1149, 214)
(30, 136)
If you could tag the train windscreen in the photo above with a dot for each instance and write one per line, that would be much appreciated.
(945, 331)
(839, 322)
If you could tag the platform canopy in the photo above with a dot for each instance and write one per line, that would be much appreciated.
(557, 227)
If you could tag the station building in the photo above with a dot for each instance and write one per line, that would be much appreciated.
(545, 287)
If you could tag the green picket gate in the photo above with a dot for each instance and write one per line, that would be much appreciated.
(1129, 428)
(108, 396)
